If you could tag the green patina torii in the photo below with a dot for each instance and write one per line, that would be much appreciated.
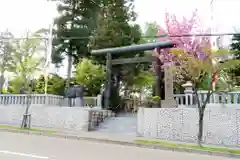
(108, 52)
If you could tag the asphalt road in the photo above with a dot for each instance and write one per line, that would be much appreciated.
(15, 146)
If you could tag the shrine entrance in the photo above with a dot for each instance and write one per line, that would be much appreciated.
(110, 62)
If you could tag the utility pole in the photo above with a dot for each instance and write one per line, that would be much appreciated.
(48, 54)
(3, 62)
(48, 58)
(213, 30)
(213, 44)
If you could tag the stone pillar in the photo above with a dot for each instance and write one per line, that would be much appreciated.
(169, 101)
(99, 101)
(188, 93)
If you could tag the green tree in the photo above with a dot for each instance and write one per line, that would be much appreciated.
(56, 85)
(150, 32)
(26, 61)
(235, 47)
(76, 19)
(114, 30)
(16, 84)
(90, 75)
(196, 68)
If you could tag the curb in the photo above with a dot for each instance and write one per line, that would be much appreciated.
(134, 144)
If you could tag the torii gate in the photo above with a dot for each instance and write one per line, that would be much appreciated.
(133, 48)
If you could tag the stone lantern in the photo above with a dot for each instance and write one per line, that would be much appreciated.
(188, 90)
(188, 87)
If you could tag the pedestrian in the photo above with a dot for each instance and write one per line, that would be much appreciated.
(71, 94)
(80, 94)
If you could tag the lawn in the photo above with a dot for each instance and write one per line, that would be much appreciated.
(32, 129)
(206, 148)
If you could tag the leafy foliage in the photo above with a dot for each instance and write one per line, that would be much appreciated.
(16, 84)
(235, 46)
(26, 58)
(56, 85)
(151, 31)
(76, 19)
(143, 79)
(114, 30)
(191, 45)
(90, 75)
(196, 69)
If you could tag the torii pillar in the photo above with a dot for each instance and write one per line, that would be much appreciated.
(169, 101)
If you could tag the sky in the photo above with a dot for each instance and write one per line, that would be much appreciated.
(22, 15)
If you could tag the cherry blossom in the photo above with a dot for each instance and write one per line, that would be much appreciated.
(175, 28)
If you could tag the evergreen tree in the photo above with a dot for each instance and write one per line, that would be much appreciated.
(76, 19)
(114, 30)
(55, 86)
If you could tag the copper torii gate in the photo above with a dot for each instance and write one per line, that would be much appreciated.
(133, 48)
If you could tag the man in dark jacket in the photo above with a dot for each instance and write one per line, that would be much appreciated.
(80, 94)
(71, 94)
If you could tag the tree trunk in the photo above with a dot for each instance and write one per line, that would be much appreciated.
(200, 127)
(201, 109)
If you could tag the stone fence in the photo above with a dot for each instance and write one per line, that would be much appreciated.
(55, 118)
(45, 99)
(186, 99)
(221, 125)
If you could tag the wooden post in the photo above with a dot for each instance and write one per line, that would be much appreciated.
(158, 80)
(108, 83)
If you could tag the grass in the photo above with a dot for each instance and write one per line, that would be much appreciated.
(31, 129)
(205, 148)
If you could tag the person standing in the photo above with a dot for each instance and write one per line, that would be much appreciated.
(80, 94)
(71, 94)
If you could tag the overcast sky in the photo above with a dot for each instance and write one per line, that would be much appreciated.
(19, 15)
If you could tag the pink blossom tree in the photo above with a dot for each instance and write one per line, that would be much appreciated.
(192, 57)
(189, 44)
(194, 46)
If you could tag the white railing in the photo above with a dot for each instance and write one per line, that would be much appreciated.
(88, 101)
(216, 98)
(42, 99)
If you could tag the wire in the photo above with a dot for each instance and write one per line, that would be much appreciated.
(161, 36)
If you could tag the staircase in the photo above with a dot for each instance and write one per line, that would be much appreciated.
(124, 124)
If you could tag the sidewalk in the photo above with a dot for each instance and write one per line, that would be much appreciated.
(99, 136)
(130, 139)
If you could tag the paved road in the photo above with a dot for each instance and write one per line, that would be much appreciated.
(28, 147)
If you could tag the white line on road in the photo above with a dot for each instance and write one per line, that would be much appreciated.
(24, 155)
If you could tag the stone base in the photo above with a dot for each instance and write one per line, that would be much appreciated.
(169, 103)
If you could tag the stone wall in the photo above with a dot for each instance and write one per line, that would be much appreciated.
(55, 118)
(221, 125)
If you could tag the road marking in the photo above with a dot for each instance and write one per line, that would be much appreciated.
(24, 155)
